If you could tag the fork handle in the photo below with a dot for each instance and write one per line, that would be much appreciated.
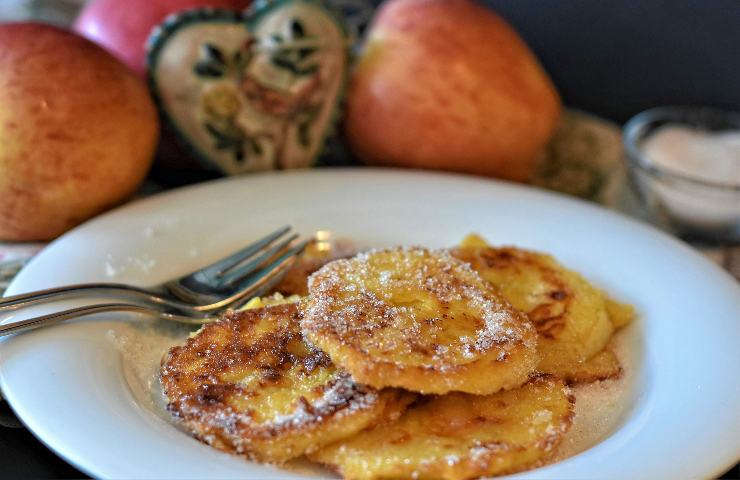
(57, 317)
(41, 296)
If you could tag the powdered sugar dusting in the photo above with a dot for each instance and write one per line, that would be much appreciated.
(250, 378)
(343, 394)
(115, 267)
(599, 408)
(421, 303)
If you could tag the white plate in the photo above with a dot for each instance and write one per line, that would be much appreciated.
(74, 390)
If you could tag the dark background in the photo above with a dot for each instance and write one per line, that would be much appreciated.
(612, 58)
(616, 58)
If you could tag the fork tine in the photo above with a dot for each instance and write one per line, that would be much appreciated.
(219, 267)
(240, 271)
(259, 283)
(60, 316)
(196, 292)
(274, 273)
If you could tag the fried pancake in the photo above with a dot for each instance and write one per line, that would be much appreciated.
(420, 320)
(620, 314)
(316, 255)
(295, 280)
(460, 436)
(270, 301)
(602, 366)
(249, 384)
(570, 315)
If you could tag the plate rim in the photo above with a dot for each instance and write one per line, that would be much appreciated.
(632, 223)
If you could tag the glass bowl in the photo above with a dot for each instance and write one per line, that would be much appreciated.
(693, 208)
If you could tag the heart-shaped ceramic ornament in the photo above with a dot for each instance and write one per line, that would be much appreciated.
(251, 91)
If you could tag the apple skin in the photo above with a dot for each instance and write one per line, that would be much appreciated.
(78, 131)
(447, 84)
(123, 26)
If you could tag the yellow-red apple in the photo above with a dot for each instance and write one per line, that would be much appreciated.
(447, 84)
(123, 26)
(78, 131)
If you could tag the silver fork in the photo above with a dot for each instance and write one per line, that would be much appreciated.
(192, 318)
(242, 275)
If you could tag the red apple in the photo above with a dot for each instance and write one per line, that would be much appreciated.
(78, 131)
(123, 26)
(447, 84)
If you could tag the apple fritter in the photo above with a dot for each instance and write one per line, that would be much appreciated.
(418, 319)
(460, 436)
(249, 384)
(570, 315)
(295, 280)
(602, 366)
(620, 314)
(316, 255)
(270, 301)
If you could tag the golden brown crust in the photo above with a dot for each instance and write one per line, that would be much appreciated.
(461, 436)
(295, 280)
(316, 255)
(620, 314)
(554, 296)
(249, 384)
(570, 315)
(420, 320)
(602, 366)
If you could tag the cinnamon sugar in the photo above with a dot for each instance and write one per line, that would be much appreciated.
(602, 405)
(355, 300)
